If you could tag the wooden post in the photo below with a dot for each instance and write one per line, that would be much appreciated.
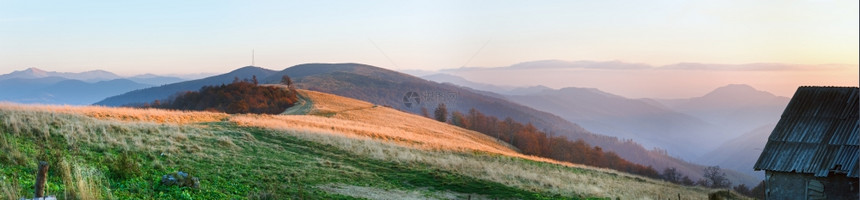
(40, 179)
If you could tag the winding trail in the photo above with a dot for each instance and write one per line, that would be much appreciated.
(306, 106)
(302, 107)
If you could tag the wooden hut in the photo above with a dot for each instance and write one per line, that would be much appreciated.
(812, 152)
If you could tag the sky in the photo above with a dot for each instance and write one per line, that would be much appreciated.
(176, 37)
(133, 37)
(669, 82)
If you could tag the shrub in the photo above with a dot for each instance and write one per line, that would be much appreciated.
(125, 166)
(237, 97)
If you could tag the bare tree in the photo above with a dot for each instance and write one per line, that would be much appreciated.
(671, 175)
(716, 177)
(287, 81)
(687, 181)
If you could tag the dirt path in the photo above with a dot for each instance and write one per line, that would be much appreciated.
(306, 106)
(302, 107)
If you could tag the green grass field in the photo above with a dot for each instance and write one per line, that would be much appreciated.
(92, 158)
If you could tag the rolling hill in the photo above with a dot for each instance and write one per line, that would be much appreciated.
(330, 147)
(163, 92)
(387, 88)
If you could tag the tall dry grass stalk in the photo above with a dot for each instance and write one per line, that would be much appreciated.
(8, 190)
(83, 182)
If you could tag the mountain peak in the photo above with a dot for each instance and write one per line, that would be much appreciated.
(588, 91)
(742, 90)
(737, 86)
(35, 70)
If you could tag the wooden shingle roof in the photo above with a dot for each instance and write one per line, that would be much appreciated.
(819, 133)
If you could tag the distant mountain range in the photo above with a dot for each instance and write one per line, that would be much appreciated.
(88, 76)
(388, 88)
(609, 114)
(505, 90)
(719, 128)
(736, 108)
(153, 79)
(55, 90)
(34, 85)
(637, 80)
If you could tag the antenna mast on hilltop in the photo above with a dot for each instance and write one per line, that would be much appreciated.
(252, 57)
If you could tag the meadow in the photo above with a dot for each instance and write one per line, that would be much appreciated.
(331, 148)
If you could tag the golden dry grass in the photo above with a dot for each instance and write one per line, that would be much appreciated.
(354, 118)
(127, 128)
(124, 114)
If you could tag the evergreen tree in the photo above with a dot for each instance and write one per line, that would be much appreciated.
(441, 113)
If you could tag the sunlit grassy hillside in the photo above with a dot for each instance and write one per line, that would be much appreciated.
(328, 147)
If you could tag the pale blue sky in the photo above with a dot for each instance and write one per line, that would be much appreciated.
(217, 36)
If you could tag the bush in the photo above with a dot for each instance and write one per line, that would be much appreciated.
(125, 166)
(237, 97)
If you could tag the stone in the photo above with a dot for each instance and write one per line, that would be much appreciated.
(180, 179)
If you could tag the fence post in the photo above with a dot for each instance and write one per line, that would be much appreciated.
(40, 179)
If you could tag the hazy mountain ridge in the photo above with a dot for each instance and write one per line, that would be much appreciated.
(614, 115)
(56, 90)
(95, 76)
(35, 85)
(505, 90)
(728, 112)
(619, 65)
(636, 80)
(89, 76)
(740, 153)
(547, 64)
(153, 79)
(737, 108)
